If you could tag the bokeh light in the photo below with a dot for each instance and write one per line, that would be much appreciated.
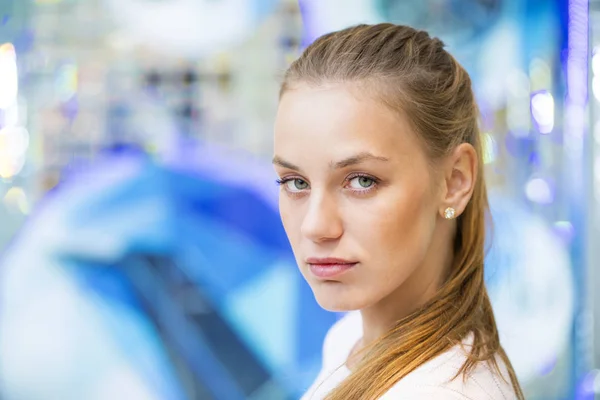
(66, 81)
(597, 132)
(11, 115)
(490, 148)
(16, 199)
(596, 87)
(596, 61)
(9, 85)
(14, 142)
(539, 190)
(542, 110)
(564, 230)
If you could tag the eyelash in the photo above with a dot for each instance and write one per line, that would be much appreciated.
(283, 181)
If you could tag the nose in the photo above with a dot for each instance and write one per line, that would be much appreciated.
(322, 221)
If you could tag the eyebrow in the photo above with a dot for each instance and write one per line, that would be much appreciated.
(357, 159)
(347, 162)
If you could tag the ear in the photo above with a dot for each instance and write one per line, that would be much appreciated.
(460, 175)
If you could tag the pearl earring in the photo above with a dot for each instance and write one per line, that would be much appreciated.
(449, 213)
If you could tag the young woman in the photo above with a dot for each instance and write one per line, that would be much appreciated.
(378, 153)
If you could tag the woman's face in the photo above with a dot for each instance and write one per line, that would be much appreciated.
(358, 201)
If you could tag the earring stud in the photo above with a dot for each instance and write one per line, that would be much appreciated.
(449, 213)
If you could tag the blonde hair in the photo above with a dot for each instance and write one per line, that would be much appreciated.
(412, 73)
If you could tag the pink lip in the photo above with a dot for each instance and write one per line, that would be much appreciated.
(329, 267)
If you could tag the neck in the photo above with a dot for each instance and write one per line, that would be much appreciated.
(380, 318)
(420, 287)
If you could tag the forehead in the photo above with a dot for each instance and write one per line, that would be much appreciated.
(340, 119)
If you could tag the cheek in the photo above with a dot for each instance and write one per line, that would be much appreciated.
(400, 230)
(289, 218)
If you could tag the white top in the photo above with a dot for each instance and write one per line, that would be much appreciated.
(431, 380)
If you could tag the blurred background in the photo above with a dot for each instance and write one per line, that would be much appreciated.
(162, 271)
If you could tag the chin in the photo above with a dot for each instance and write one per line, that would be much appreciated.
(329, 296)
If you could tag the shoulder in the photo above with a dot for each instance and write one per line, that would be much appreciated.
(435, 379)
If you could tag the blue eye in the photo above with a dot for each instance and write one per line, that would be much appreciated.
(361, 182)
(294, 185)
